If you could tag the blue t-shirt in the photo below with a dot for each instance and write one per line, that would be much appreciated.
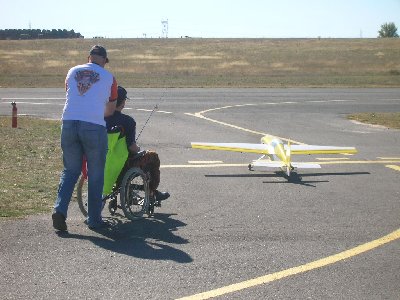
(125, 123)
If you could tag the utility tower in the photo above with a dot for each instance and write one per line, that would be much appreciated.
(164, 24)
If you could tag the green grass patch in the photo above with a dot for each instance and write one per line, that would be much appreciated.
(31, 163)
(390, 120)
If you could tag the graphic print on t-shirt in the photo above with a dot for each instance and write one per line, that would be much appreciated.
(85, 80)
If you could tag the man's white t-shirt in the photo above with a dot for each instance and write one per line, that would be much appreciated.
(88, 89)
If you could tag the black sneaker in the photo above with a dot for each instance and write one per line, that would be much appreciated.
(160, 196)
(99, 225)
(59, 222)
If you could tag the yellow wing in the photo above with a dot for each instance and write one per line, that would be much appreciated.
(236, 147)
(267, 149)
(314, 149)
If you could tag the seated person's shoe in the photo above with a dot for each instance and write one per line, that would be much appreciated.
(99, 225)
(59, 221)
(160, 196)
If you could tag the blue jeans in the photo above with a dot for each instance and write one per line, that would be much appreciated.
(80, 138)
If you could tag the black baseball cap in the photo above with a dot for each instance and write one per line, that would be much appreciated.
(122, 93)
(99, 50)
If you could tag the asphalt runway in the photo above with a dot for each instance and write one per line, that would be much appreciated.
(226, 232)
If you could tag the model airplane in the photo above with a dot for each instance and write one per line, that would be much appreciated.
(279, 154)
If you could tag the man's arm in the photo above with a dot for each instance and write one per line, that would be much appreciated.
(110, 108)
(112, 103)
(134, 148)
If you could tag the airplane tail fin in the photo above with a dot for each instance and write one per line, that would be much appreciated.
(298, 165)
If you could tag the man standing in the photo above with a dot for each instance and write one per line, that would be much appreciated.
(91, 93)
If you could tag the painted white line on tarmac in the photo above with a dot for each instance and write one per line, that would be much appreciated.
(332, 158)
(202, 166)
(205, 161)
(335, 162)
(35, 103)
(30, 98)
(386, 158)
(159, 111)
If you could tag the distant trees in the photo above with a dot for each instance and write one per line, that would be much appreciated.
(388, 30)
(30, 34)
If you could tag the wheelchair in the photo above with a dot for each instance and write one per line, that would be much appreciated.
(132, 191)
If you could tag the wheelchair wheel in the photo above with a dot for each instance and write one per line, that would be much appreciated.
(82, 195)
(134, 195)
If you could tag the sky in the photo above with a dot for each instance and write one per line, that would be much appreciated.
(204, 18)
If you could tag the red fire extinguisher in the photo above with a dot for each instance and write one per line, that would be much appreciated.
(14, 115)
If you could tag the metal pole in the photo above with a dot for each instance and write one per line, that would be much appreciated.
(14, 115)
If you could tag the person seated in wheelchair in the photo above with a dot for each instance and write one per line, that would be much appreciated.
(147, 160)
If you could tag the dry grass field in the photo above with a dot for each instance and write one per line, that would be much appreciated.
(210, 62)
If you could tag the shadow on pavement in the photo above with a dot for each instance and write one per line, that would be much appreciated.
(147, 238)
(294, 178)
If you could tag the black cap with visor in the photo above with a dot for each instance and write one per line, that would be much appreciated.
(122, 95)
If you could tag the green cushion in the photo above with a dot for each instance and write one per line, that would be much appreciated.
(116, 157)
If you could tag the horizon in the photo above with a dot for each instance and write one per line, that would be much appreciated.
(288, 19)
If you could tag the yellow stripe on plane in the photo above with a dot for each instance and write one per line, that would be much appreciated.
(327, 151)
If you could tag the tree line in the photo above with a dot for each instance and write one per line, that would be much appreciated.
(388, 30)
(31, 34)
